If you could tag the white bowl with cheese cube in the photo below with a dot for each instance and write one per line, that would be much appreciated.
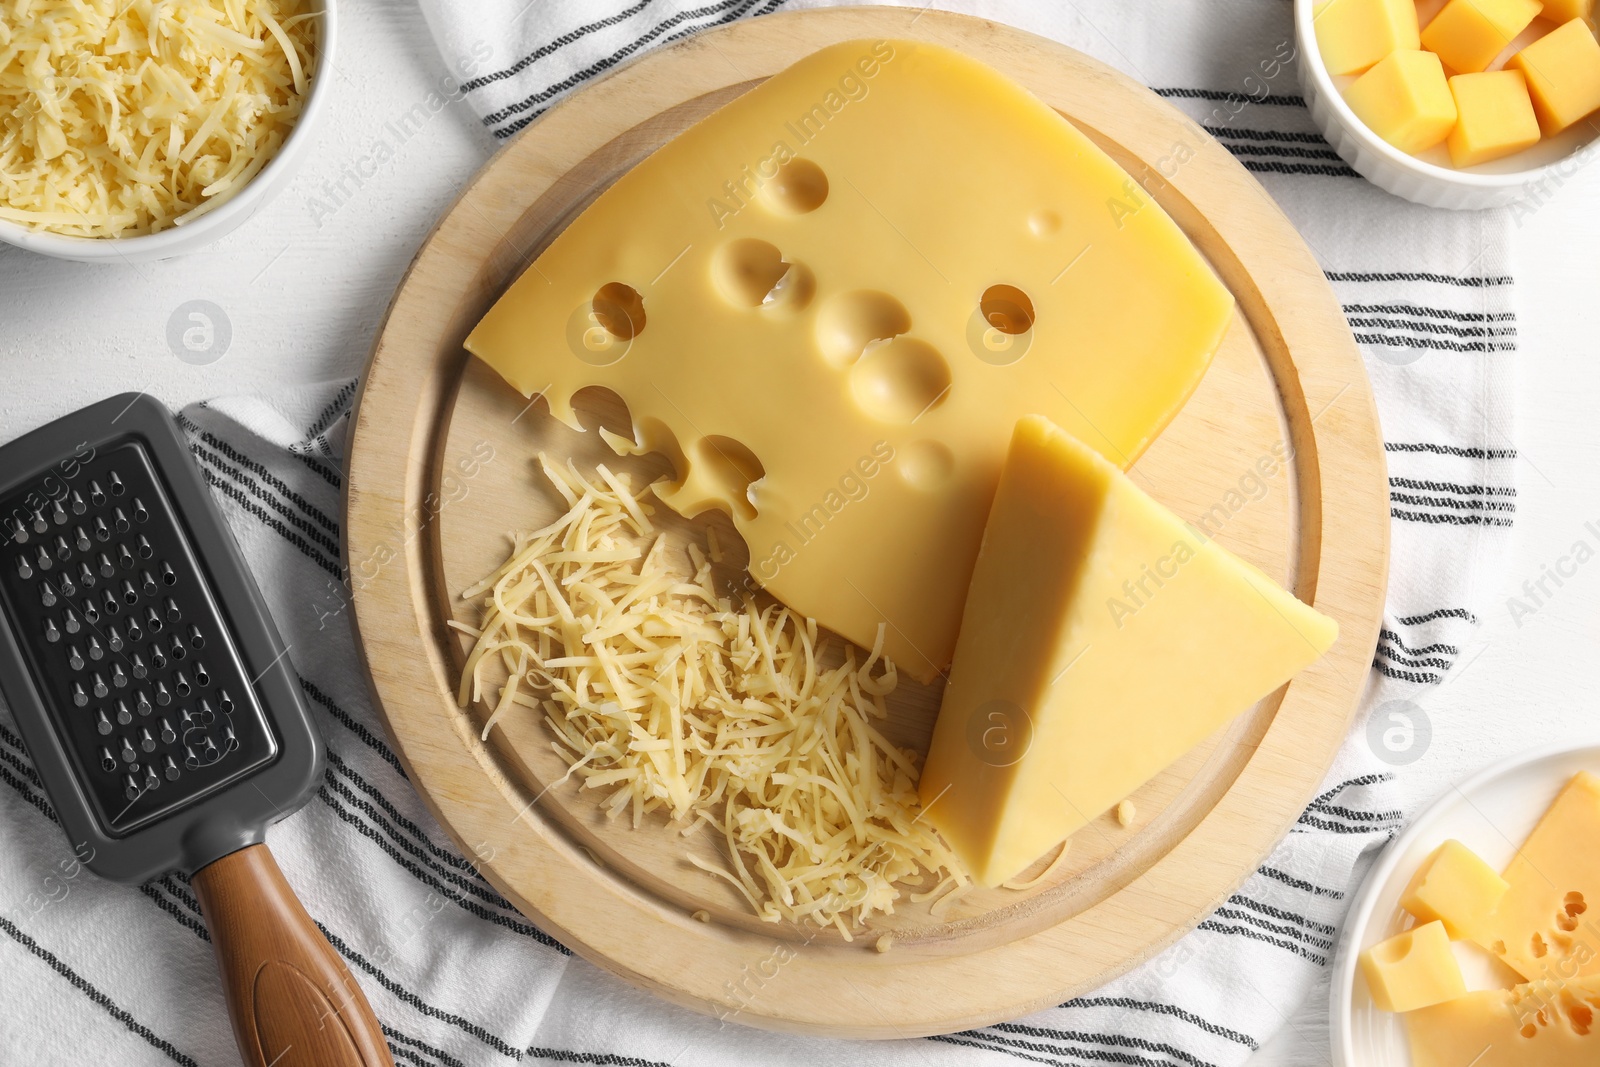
(191, 200)
(1523, 179)
(1493, 815)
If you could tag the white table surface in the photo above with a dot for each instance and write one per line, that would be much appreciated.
(304, 291)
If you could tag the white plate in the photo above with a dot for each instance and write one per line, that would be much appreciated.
(1491, 813)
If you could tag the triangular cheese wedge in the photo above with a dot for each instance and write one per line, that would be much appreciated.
(1544, 926)
(829, 301)
(1541, 1024)
(1102, 638)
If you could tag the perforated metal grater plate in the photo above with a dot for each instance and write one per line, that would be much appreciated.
(118, 622)
(149, 683)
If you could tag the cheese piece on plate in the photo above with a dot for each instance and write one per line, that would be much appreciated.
(1352, 35)
(1542, 1024)
(1469, 34)
(1543, 927)
(1414, 969)
(1565, 10)
(1494, 117)
(1103, 637)
(1405, 100)
(1563, 72)
(1454, 886)
(829, 301)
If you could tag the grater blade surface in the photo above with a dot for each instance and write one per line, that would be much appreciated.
(151, 687)
(121, 631)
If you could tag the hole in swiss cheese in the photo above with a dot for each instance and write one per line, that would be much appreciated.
(619, 309)
(1007, 309)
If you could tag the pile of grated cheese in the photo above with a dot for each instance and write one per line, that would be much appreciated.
(665, 696)
(125, 117)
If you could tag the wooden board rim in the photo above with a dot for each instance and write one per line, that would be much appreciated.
(1343, 565)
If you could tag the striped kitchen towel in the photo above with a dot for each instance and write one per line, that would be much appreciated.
(108, 973)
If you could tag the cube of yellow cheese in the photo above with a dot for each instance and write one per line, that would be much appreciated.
(850, 282)
(1494, 117)
(1456, 888)
(1102, 638)
(1542, 927)
(1542, 1024)
(1413, 970)
(1468, 34)
(1563, 72)
(1405, 100)
(1352, 35)
(1564, 10)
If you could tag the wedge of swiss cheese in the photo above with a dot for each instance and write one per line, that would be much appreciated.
(1103, 637)
(830, 300)
(1544, 926)
(1541, 1024)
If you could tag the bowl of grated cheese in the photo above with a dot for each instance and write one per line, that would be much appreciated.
(144, 129)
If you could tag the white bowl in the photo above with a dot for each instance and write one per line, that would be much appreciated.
(188, 237)
(1528, 177)
(1491, 813)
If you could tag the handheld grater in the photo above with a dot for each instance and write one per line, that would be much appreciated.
(157, 701)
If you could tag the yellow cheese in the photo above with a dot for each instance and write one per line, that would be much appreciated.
(122, 119)
(829, 301)
(1103, 637)
(1352, 35)
(1566, 10)
(1405, 100)
(1563, 72)
(1468, 34)
(1543, 927)
(664, 696)
(1544, 1024)
(1494, 117)
(1454, 886)
(1413, 970)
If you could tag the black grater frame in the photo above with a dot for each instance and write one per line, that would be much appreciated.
(210, 826)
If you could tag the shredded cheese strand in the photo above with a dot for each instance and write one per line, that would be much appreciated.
(672, 699)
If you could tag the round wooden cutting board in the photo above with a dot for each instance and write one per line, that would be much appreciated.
(1278, 456)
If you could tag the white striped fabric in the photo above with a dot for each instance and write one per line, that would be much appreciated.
(107, 973)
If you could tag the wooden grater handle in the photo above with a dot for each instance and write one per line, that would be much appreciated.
(293, 1001)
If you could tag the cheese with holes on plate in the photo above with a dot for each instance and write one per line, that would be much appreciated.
(829, 301)
(1413, 969)
(1103, 637)
(1543, 927)
(1542, 1024)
